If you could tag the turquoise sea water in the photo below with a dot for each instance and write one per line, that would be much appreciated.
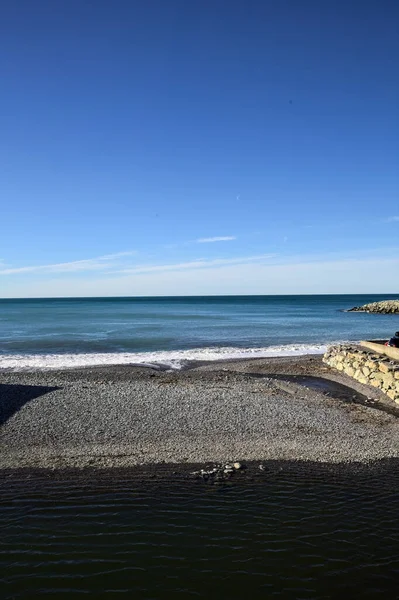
(86, 331)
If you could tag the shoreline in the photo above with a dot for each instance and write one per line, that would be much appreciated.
(251, 409)
(163, 359)
(182, 473)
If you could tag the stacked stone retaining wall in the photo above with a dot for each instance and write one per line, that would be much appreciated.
(366, 367)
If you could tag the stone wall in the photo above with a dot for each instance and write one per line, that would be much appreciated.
(366, 367)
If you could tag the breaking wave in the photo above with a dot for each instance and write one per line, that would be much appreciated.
(175, 359)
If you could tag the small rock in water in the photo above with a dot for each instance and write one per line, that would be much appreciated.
(218, 474)
(261, 468)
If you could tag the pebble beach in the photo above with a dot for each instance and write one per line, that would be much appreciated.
(250, 410)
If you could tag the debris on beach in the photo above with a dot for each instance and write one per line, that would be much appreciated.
(219, 472)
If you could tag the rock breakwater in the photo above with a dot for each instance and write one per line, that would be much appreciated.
(384, 307)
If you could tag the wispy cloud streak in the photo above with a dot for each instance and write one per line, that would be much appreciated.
(221, 238)
(196, 264)
(89, 264)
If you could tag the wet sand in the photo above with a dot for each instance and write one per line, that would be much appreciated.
(294, 409)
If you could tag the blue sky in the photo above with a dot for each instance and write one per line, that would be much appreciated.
(175, 147)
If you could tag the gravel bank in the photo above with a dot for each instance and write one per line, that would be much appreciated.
(246, 410)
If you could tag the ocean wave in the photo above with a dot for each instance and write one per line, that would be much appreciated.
(175, 359)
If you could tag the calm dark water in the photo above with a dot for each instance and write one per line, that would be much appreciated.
(67, 332)
(292, 533)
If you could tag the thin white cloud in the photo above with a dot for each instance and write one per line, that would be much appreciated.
(221, 238)
(89, 264)
(195, 264)
(393, 219)
(117, 255)
(105, 263)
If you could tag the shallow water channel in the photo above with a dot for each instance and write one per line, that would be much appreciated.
(286, 531)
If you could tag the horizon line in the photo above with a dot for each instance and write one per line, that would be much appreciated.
(197, 296)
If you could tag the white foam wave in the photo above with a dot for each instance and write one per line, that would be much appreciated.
(173, 359)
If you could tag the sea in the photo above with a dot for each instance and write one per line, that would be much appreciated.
(175, 331)
(276, 530)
